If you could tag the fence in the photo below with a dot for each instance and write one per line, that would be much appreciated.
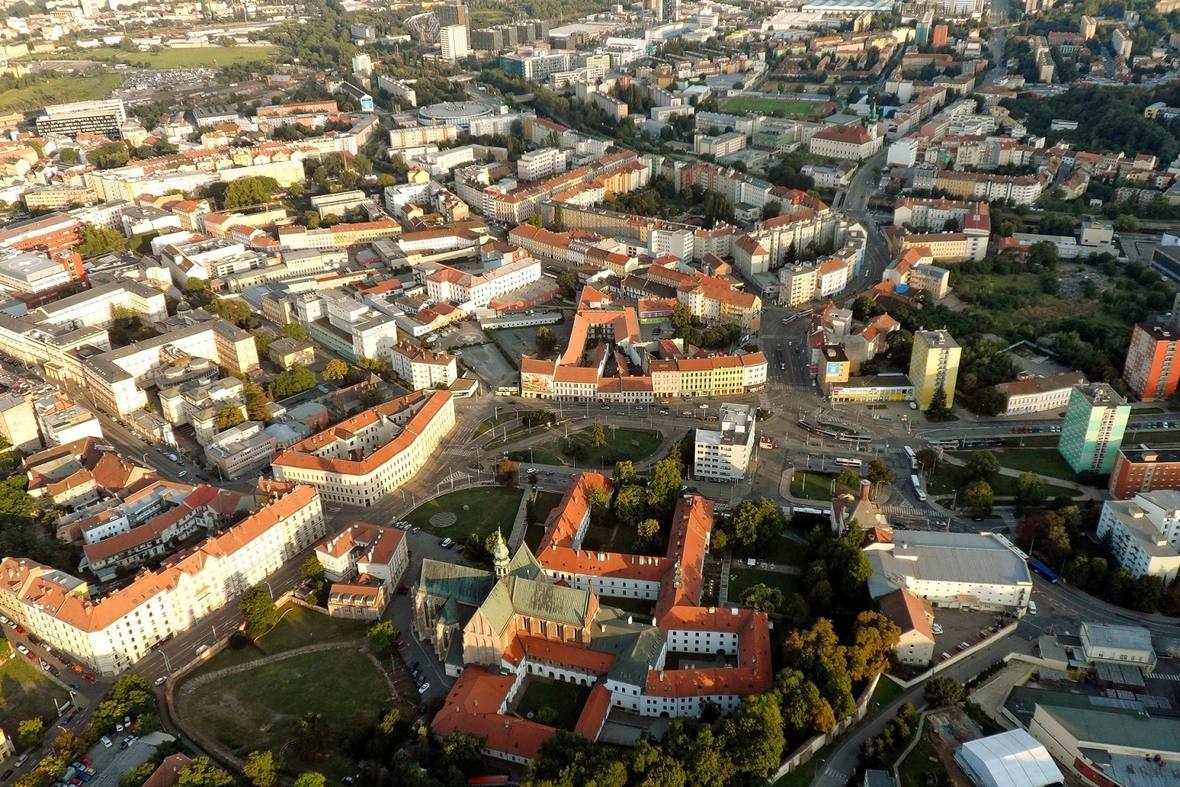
(955, 659)
(802, 755)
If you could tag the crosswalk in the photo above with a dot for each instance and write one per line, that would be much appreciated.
(1165, 676)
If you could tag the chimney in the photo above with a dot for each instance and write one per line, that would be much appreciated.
(865, 489)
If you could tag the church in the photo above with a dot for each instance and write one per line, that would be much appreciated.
(549, 616)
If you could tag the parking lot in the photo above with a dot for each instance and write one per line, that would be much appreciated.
(114, 761)
(489, 364)
(961, 626)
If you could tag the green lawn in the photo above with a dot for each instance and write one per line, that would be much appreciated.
(60, 90)
(533, 537)
(479, 510)
(261, 708)
(742, 578)
(886, 692)
(565, 698)
(1043, 461)
(297, 627)
(802, 776)
(949, 478)
(26, 693)
(781, 550)
(812, 484)
(199, 57)
(543, 504)
(621, 444)
(765, 105)
(921, 759)
(487, 424)
(536, 456)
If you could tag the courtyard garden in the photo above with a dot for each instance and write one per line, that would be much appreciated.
(552, 702)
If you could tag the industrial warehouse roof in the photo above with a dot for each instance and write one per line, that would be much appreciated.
(1010, 759)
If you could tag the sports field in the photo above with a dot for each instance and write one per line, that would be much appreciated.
(767, 105)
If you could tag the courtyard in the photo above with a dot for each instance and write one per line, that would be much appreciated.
(551, 702)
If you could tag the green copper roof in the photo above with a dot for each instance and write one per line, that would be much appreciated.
(536, 599)
(464, 584)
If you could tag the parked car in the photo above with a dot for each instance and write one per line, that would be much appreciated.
(22, 650)
(425, 687)
(403, 589)
(401, 644)
(160, 681)
(106, 742)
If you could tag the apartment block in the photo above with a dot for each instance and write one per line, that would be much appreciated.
(1144, 469)
(110, 634)
(934, 365)
(100, 117)
(1144, 533)
(1151, 369)
(1095, 420)
(367, 456)
(422, 368)
(723, 454)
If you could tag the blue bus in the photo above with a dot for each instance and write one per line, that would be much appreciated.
(1043, 570)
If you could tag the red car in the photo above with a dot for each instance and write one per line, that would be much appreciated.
(89, 677)
(86, 761)
(401, 644)
(21, 630)
(403, 589)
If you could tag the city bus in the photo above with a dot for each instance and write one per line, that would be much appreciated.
(917, 482)
(854, 464)
(912, 456)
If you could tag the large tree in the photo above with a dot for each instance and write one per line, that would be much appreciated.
(203, 773)
(258, 608)
(261, 769)
(250, 191)
(978, 497)
(630, 505)
(664, 485)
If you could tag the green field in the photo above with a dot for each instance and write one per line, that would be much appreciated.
(948, 478)
(26, 693)
(263, 707)
(1043, 461)
(297, 627)
(479, 510)
(921, 759)
(60, 90)
(802, 776)
(535, 456)
(566, 699)
(621, 444)
(202, 57)
(543, 503)
(742, 578)
(765, 105)
(812, 485)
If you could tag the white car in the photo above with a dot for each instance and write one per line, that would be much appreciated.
(106, 742)
(423, 688)
(22, 650)
(160, 681)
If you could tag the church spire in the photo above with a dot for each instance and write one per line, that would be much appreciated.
(500, 557)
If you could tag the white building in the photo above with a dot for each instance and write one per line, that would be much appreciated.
(1144, 533)
(111, 634)
(455, 42)
(367, 456)
(452, 285)
(422, 368)
(542, 163)
(31, 272)
(951, 570)
(843, 142)
(1009, 759)
(1040, 394)
(723, 454)
(1117, 644)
